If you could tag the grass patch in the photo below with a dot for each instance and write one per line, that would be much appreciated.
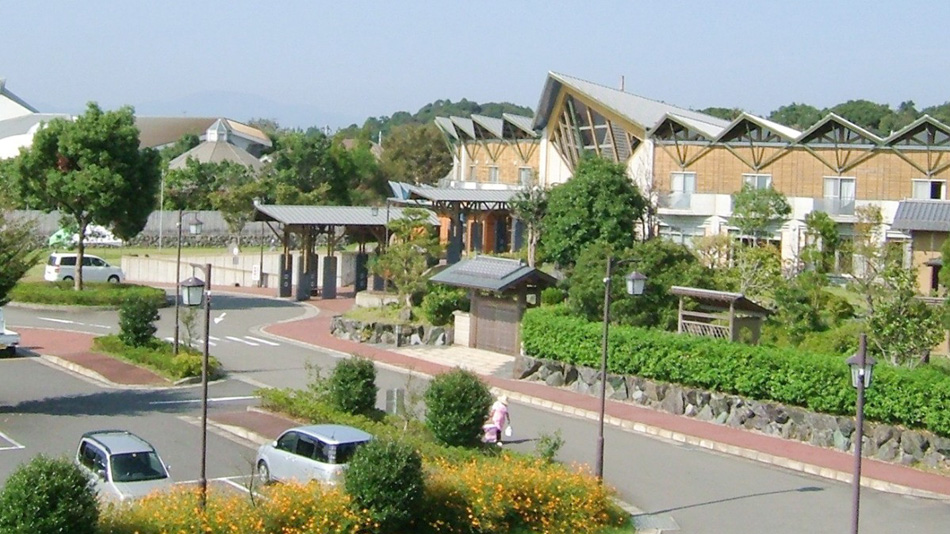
(159, 356)
(93, 293)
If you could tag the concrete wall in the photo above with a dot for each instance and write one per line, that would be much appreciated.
(229, 270)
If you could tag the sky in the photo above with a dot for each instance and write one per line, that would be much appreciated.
(321, 63)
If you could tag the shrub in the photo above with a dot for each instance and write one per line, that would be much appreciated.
(918, 398)
(457, 405)
(137, 318)
(93, 293)
(553, 295)
(158, 356)
(441, 301)
(548, 445)
(352, 386)
(48, 495)
(385, 477)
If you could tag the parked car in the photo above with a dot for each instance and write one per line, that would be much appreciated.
(122, 465)
(314, 452)
(96, 235)
(62, 266)
(8, 338)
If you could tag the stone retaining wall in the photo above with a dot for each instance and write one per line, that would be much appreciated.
(386, 333)
(881, 441)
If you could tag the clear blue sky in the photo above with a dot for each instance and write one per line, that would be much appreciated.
(316, 62)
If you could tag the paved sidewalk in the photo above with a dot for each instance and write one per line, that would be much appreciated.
(496, 370)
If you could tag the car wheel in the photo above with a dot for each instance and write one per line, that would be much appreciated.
(67, 279)
(113, 279)
(9, 351)
(263, 472)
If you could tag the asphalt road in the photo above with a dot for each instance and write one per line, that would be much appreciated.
(681, 487)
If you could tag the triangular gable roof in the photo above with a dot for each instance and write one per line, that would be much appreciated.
(826, 125)
(520, 122)
(217, 152)
(664, 128)
(491, 274)
(447, 126)
(492, 125)
(464, 125)
(772, 131)
(937, 134)
(639, 110)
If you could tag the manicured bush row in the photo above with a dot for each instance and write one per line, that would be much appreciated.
(917, 398)
(93, 294)
(158, 356)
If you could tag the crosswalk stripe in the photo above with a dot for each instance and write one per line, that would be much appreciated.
(239, 340)
(264, 341)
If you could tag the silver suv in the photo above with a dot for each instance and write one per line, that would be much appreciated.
(122, 465)
(314, 452)
(62, 266)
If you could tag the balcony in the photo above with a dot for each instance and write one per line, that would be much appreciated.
(835, 206)
(675, 200)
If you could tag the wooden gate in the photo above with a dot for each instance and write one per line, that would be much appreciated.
(496, 325)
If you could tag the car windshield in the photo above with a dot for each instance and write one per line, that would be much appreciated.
(136, 466)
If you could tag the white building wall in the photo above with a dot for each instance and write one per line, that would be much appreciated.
(553, 169)
(10, 109)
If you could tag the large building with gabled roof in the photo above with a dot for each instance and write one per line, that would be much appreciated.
(689, 164)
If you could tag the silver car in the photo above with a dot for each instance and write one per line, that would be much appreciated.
(314, 452)
(122, 465)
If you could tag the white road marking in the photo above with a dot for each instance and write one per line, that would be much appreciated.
(239, 340)
(264, 341)
(210, 400)
(214, 338)
(14, 444)
(65, 321)
(228, 480)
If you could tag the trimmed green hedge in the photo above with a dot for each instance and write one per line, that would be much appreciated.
(918, 398)
(93, 293)
(159, 356)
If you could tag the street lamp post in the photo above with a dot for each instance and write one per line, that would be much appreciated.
(193, 297)
(635, 284)
(862, 367)
(194, 229)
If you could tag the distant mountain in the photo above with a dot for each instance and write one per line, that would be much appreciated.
(244, 107)
(427, 113)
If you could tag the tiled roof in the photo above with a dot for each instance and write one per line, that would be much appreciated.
(927, 215)
(491, 274)
(217, 152)
(331, 215)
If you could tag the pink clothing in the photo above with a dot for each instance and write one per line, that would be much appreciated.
(499, 415)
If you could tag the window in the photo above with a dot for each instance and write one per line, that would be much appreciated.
(471, 173)
(91, 457)
(683, 182)
(288, 442)
(839, 195)
(758, 181)
(493, 174)
(525, 176)
(305, 447)
(929, 189)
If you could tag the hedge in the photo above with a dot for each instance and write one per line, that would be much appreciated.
(916, 398)
(93, 293)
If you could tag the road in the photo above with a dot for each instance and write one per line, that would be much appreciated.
(693, 490)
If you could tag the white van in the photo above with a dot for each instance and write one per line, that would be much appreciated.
(62, 266)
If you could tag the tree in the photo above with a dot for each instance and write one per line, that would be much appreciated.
(798, 116)
(93, 172)
(864, 113)
(234, 192)
(823, 241)
(190, 187)
(753, 209)
(405, 260)
(530, 206)
(902, 328)
(871, 254)
(756, 271)
(599, 203)
(664, 263)
(727, 114)
(17, 253)
(304, 171)
(182, 145)
(416, 154)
